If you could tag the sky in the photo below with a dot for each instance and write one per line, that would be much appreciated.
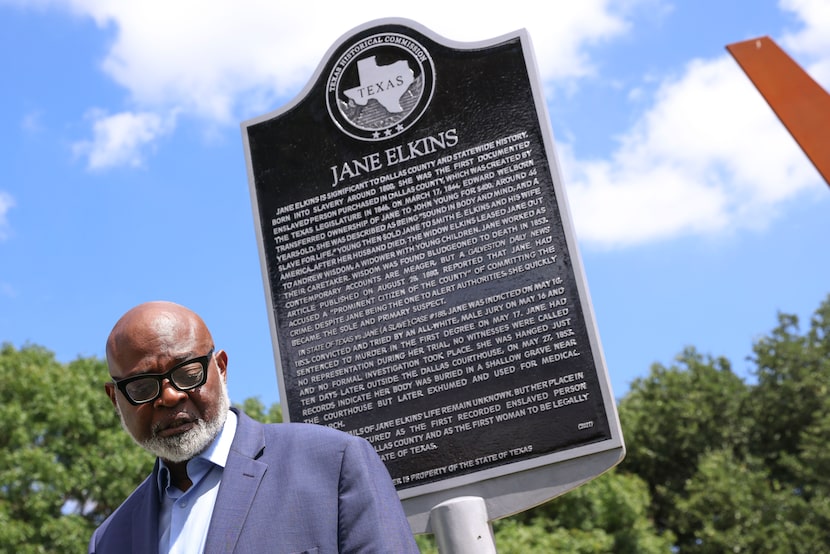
(123, 179)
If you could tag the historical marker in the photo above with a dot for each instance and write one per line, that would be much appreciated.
(423, 282)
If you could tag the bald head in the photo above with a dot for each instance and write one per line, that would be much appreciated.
(164, 328)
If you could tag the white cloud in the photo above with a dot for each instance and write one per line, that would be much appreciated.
(814, 40)
(121, 139)
(6, 203)
(709, 156)
(213, 59)
(222, 62)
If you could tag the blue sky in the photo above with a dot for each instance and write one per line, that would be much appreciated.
(122, 173)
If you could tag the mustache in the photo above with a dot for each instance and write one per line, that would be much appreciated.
(175, 420)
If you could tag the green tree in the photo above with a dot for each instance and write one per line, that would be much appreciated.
(739, 467)
(673, 417)
(789, 404)
(608, 514)
(733, 505)
(65, 463)
(812, 464)
(256, 410)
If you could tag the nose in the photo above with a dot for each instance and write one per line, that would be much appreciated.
(170, 395)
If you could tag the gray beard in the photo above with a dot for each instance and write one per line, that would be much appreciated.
(186, 446)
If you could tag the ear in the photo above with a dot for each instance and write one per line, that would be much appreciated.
(221, 358)
(111, 392)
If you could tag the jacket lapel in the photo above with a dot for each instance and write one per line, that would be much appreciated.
(240, 481)
(145, 523)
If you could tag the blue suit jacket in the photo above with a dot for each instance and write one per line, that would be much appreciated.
(286, 488)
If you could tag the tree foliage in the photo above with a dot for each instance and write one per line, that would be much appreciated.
(735, 466)
(732, 505)
(256, 409)
(608, 514)
(65, 463)
(674, 416)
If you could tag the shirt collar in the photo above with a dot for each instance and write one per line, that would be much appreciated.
(218, 450)
(216, 453)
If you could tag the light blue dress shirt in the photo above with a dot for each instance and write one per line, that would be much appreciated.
(184, 517)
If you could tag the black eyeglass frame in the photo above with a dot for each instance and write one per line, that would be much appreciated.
(159, 377)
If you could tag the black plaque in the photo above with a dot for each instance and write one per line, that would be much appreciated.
(423, 283)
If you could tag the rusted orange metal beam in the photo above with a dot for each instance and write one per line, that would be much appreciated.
(798, 101)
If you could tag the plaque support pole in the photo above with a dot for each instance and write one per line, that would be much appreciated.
(461, 527)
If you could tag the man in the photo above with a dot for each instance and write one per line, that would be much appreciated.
(223, 482)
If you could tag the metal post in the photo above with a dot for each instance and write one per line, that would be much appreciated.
(461, 527)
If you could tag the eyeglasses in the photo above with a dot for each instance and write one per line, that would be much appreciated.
(188, 375)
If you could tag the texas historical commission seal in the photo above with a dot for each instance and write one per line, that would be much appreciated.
(380, 86)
